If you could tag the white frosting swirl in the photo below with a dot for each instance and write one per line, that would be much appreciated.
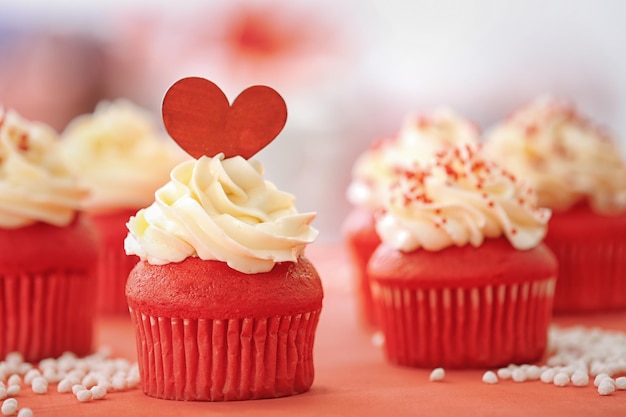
(562, 155)
(460, 199)
(35, 185)
(420, 138)
(220, 209)
(119, 155)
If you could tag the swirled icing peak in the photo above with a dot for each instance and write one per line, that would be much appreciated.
(420, 138)
(562, 155)
(220, 209)
(460, 199)
(35, 185)
(119, 154)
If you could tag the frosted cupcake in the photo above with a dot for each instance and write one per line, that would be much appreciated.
(579, 173)
(461, 278)
(47, 247)
(120, 156)
(420, 138)
(224, 302)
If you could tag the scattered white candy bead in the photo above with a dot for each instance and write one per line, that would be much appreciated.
(3, 393)
(533, 372)
(98, 392)
(39, 385)
(599, 379)
(378, 339)
(119, 383)
(580, 378)
(437, 374)
(9, 407)
(490, 377)
(547, 376)
(504, 373)
(84, 395)
(25, 412)
(518, 375)
(606, 387)
(64, 385)
(13, 390)
(14, 379)
(89, 380)
(561, 379)
(78, 387)
(30, 375)
(620, 383)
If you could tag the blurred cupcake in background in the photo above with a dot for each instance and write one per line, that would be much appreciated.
(461, 278)
(579, 173)
(421, 137)
(48, 248)
(118, 153)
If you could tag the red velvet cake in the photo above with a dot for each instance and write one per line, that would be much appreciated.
(461, 278)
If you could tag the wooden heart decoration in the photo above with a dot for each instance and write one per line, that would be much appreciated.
(197, 115)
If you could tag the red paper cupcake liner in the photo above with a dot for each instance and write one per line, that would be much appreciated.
(592, 276)
(486, 326)
(112, 271)
(223, 360)
(44, 315)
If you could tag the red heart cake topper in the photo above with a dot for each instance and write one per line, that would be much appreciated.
(197, 115)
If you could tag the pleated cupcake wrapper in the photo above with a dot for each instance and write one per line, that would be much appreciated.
(463, 328)
(592, 276)
(112, 271)
(44, 315)
(221, 360)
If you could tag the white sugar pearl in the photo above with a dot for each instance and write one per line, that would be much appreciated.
(13, 390)
(580, 378)
(504, 373)
(65, 385)
(518, 375)
(84, 395)
(98, 392)
(9, 407)
(89, 380)
(14, 358)
(39, 385)
(547, 376)
(25, 412)
(533, 372)
(14, 379)
(119, 383)
(599, 379)
(30, 375)
(561, 379)
(3, 393)
(620, 383)
(378, 339)
(606, 387)
(437, 374)
(490, 377)
(78, 387)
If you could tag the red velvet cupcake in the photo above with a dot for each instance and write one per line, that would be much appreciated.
(461, 278)
(120, 156)
(579, 173)
(47, 248)
(224, 303)
(420, 138)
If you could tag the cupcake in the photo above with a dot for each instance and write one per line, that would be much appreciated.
(579, 173)
(224, 302)
(461, 278)
(48, 247)
(120, 156)
(420, 138)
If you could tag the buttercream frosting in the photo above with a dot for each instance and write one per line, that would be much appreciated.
(562, 155)
(119, 154)
(35, 184)
(420, 138)
(220, 209)
(460, 199)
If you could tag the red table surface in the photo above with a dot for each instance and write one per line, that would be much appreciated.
(352, 377)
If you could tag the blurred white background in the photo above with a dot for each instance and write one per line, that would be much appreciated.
(349, 70)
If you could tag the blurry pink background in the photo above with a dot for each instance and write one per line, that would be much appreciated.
(349, 70)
